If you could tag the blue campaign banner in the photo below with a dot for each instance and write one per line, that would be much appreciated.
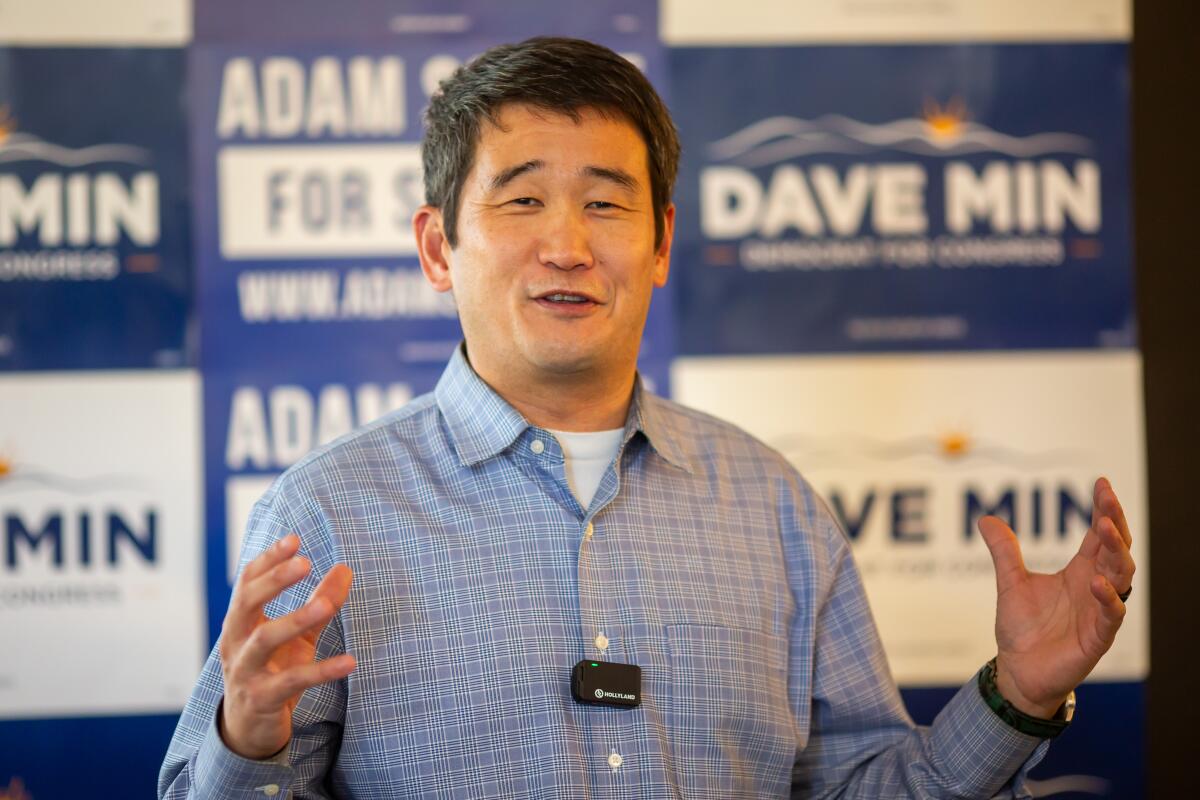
(94, 240)
(881, 198)
(308, 171)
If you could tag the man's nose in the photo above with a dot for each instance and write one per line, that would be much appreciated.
(566, 241)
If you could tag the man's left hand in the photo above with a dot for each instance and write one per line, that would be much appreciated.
(1052, 629)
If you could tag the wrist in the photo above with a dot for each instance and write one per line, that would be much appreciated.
(1008, 688)
(239, 748)
(1044, 726)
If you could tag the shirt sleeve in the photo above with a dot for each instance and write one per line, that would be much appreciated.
(861, 743)
(198, 765)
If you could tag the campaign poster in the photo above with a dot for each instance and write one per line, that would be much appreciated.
(100, 559)
(316, 317)
(910, 450)
(95, 264)
(849, 198)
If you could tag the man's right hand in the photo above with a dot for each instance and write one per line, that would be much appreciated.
(268, 663)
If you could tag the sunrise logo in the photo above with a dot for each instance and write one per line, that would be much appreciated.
(951, 448)
(7, 123)
(945, 123)
(955, 444)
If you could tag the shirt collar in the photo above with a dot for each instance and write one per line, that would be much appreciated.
(482, 424)
(646, 414)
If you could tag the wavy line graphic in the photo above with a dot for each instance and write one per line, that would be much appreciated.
(62, 483)
(812, 451)
(24, 147)
(776, 139)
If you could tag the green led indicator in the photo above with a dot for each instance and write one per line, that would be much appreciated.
(594, 664)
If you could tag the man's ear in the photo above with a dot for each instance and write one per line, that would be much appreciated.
(662, 255)
(433, 247)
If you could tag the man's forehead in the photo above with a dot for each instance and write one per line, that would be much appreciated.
(512, 123)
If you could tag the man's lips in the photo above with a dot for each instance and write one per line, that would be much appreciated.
(566, 296)
(567, 301)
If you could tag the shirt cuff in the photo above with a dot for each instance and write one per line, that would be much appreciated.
(981, 750)
(222, 773)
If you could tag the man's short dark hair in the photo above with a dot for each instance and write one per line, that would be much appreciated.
(563, 76)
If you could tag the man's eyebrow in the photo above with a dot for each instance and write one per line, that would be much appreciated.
(618, 176)
(615, 175)
(505, 177)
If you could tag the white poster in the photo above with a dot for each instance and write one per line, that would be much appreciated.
(772, 22)
(911, 450)
(100, 543)
(96, 23)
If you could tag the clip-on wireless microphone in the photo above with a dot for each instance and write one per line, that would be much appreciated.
(607, 683)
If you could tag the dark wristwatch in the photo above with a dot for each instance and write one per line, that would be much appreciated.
(1013, 717)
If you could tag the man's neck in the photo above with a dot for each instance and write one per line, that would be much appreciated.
(566, 403)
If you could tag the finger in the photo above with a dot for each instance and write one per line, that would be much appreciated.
(335, 586)
(246, 606)
(1089, 548)
(278, 689)
(305, 623)
(266, 561)
(1112, 610)
(267, 638)
(1116, 562)
(277, 553)
(1006, 553)
(1106, 500)
(256, 593)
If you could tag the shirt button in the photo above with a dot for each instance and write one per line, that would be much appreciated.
(615, 760)
(271, 789)
(537, 447)
(602, 642)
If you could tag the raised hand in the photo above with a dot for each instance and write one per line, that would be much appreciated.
(268, 663)
(1052, 629)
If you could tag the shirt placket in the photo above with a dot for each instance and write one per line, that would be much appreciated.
(612, 753)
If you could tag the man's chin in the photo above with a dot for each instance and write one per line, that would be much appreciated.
(567, 362)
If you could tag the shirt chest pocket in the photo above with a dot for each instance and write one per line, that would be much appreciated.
(731, 725)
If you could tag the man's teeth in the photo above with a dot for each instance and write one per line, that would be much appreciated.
(566, 298)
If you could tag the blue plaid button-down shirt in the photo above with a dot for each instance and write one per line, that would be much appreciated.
(479, 582)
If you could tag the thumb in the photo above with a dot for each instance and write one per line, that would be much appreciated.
(1006, 553)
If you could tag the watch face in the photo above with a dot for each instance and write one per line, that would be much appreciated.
(1067, 712)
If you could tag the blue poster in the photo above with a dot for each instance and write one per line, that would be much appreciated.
(881, 198)
(94, 241)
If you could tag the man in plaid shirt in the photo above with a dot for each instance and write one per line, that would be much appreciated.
(540, 508)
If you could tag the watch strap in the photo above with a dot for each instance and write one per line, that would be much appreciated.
(1015, 718)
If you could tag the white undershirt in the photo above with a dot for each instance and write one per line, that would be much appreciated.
(587, 456)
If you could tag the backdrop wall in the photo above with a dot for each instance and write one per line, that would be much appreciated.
(903, 259)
